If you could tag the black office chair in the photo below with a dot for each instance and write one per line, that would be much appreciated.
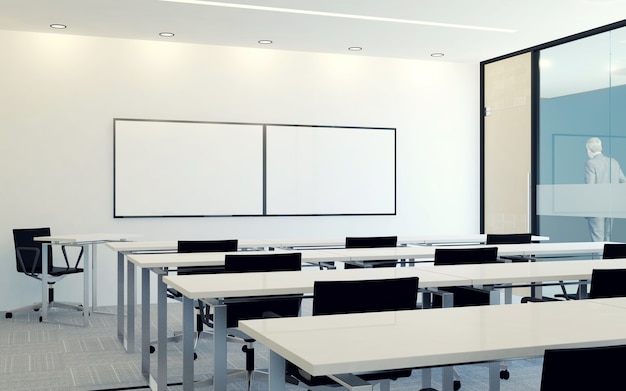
(518, 238)
(583, 369)
(343, 297)
(28, 257)
(371, 242)
(465, 296)
(197, 246)
(260, 307)
(607, 283)
(609, 251)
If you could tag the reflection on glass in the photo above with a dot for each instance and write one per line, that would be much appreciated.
(582, 137)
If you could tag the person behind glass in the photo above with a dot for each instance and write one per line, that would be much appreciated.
(601, 169)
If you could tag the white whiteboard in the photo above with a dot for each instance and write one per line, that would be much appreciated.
(169, 168)
(315, 170)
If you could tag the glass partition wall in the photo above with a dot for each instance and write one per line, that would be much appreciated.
(557, 112)
(581, 139)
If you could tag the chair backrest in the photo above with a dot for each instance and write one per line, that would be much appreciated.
(344, 297)
(204, 246)
(197, 246)
(242, 263)
(456, 256)
(614, 250)
(595, 368)
(28, 251)
(282, 306)
(508, 238)
(371, 241)
(607, 283)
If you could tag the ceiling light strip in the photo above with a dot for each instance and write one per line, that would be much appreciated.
(339, 15)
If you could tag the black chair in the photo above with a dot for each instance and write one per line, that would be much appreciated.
(204, 246)
(465, 295)
(518, 238)
(607, 283)
(371, 242)
(259, 307)
(508, 238)
(343, 297)
(28, 257)
(609, 251)
(583, 369)
(614, 251)
(197, 246)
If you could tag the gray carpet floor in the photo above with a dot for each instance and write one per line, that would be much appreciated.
(64, 355)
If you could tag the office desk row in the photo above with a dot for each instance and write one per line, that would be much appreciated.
(332, 345)
(217, 287)
(160, 263)
(126, 271)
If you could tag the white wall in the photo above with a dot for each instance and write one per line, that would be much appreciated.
(60, 94)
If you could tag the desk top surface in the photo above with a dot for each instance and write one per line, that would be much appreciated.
(254, 284)
(87, 238)
(279, 283)
(323, 345)
(364, 254)
(170, 245)
(526, 272)
(217, 258)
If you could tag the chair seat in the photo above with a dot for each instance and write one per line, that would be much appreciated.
(61, 271)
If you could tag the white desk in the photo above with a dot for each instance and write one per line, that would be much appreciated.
(219, 286)
(251, 284)
(334, 345)
(428, 252)
(123, 249)
(403, 240)
(87, 242)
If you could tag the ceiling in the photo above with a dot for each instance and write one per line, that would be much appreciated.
(467, 31)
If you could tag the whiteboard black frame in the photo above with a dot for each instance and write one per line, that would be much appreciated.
(389, 209)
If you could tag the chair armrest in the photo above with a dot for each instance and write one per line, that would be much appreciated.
(19, 253)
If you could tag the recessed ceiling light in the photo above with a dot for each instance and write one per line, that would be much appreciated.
(165, 34)
(437, 54)
(58, 26)
(265, 42)
(355, 48)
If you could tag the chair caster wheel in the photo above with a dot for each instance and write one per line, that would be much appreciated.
(195, 355)
(8, 315)
(35, 309)
(504, 374)
(40, 319)
(456, 385)
(152, 349)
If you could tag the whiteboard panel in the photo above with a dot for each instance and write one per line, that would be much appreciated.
(330, 170)
(169, 168)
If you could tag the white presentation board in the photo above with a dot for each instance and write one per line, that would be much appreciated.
(186, 168)
(330, 170)
(168, 168)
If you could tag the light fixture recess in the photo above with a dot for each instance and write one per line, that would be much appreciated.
(265, 41)
(437, 54)
(355, 48)
(166, 34)
(58, 26)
